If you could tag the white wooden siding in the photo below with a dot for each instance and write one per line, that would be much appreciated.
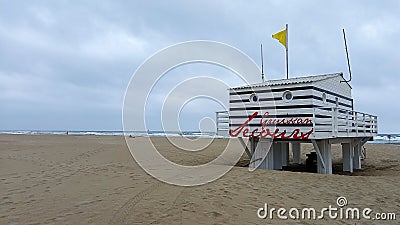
(331, 100)
(277, 94)
(276, 102)
(328, 120)
(333, 84)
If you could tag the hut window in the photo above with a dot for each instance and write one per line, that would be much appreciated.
(324, 97)
(253, 98)
(287, 96)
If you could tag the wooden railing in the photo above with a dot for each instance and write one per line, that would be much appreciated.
(222, 122)
(342, 122)
(327, 122)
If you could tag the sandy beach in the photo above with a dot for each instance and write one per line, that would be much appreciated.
(61, 179)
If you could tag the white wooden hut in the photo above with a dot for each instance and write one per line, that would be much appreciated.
(317, 109)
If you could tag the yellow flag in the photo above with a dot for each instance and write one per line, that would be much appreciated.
(281, 37)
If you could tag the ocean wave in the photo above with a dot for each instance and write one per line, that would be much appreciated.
(111, 133)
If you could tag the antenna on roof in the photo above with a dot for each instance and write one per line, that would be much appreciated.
(347, 54)
(262, 65)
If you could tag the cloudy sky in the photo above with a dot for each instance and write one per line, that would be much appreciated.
(65, 65)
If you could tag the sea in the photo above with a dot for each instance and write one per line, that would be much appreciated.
(379, 139)
(114, 133)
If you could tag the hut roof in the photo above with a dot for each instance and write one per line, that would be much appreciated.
(295, 80)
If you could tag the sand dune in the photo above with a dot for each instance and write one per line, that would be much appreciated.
(94, 180)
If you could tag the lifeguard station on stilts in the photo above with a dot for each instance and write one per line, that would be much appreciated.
(276, 114)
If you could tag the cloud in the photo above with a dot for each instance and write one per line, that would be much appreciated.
(64, 60)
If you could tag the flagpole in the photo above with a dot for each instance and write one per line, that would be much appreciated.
(287, 52)
(262, 65)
